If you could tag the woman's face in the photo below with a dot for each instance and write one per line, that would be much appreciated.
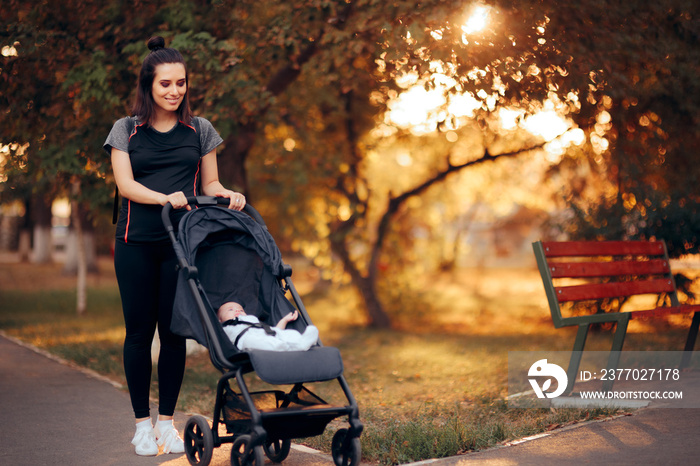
(169, 86)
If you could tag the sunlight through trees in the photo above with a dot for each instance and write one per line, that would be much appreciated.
(379, 135)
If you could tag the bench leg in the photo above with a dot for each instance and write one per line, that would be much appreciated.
(618, 341)
(690, 342)
(576, 355)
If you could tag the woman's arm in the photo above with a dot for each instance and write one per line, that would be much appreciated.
(135, 191)
(211, 186)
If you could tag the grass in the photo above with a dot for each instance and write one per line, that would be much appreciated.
(432, 387)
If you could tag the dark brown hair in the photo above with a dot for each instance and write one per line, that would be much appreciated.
(144, 105)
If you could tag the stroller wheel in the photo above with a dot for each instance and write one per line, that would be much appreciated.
(199, 441)
(241, 446)
(277, 450)
(345, 454)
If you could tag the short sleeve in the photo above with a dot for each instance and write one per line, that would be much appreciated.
(209, 137)
(118, 137)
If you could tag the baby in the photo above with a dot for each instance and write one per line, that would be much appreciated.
(237, 325)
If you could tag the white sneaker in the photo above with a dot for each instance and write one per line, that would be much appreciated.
(170, 440)
(145, 442)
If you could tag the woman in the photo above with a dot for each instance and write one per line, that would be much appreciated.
(160, 155)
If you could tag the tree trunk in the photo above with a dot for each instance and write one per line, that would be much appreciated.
(232, 159)
(375, 310)
(81, 292)
(366, 285)
(88, 244)
(41, 215)
(464, 223)
(70, 267)
(24, 247)
(24, 243)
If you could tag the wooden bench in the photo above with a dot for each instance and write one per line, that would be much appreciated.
(609, 272)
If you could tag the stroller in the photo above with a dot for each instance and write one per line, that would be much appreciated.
(227, 255)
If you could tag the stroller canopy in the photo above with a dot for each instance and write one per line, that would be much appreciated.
(236, 260)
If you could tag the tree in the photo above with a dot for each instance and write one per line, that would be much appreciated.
(54, 87)
(296, 88)
(644, 103)
(54, 134)
(618, 86)
(84, 55)
(337, 207)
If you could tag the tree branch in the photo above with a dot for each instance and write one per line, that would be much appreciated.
(288, 74)
(396, 202)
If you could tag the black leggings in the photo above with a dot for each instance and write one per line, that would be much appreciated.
(147, 278)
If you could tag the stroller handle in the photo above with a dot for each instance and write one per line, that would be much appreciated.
(200, 201)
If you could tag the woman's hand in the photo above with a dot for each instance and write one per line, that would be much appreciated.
(237, 200)
(178, 200)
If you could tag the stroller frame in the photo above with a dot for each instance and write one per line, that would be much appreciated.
(264, 430)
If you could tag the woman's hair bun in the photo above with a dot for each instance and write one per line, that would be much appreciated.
(155, 43)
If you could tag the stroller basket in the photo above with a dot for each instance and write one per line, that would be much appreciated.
(278, 414)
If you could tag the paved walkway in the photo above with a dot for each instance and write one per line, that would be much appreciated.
(58, 414)
(54, 413)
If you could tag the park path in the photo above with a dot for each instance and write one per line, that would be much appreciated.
(56, 413)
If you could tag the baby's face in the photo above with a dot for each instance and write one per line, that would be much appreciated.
(230, 311)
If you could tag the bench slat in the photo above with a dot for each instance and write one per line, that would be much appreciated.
(661, 311)
(602, 248)
(612, 290)
(607, 269)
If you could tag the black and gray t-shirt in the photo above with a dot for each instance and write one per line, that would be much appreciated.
(164, 162)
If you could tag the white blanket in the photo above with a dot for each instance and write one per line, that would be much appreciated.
(283, 340)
